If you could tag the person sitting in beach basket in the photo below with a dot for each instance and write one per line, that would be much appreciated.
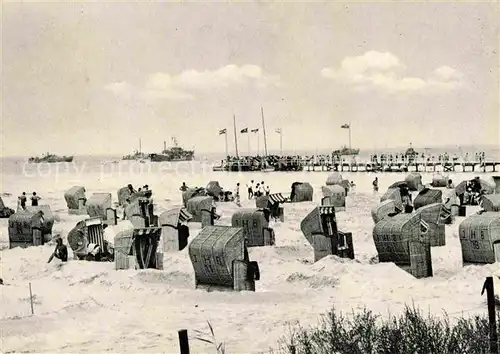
(61, 251)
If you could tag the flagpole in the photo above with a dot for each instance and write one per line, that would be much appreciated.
(258, 143)
(281, 141)
(264, 130)
(225, 136)
(349, 136)
(235, 136)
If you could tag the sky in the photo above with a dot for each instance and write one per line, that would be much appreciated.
(94, 78)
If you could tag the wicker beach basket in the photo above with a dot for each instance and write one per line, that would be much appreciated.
(175, 233)
(478, 234)
(336, 196)
(262, 202)
(321, 220)
(302, 192)
(255, 225)
(48, 217)
(192, 192)
(420, 258)
(5, 212)
(98, 204)
(77, 239)
(123, 194)
(333, 179)
(195, 205)
(212, 253)
(485, 187)
(414, 181)
(138, 249)
(383, 210)
(213, 189)
(431, 214)
(73, 195)
(427, 196)
(439, 181)
(395, 195)
(392, 235)
(25, 229)
(491, 202)
(496, 182)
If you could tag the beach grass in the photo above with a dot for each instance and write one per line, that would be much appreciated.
(411, 332)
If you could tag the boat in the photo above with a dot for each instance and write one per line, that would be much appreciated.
(175, 153)
(50, 158)
(138, 155)
(345, 151)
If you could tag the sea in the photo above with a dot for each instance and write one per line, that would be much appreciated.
(88, 306)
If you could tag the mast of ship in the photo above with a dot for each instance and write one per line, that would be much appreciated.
(164, 145)
(140, 146)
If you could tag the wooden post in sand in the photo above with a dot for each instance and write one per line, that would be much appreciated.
(184, 341)
(31, 301)
(490, 293)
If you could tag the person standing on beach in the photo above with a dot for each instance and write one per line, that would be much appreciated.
(237, 194)
(262, 190)
(22, 201)
(183, 187)
(250, 189)
(268, 190)
(375, 184)
(34, 199)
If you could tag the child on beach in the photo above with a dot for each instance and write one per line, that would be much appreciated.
(375, 184)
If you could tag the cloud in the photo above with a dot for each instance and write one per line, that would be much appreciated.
(384, 71)
(162, 85)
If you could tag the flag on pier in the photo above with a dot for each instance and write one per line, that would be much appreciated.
(345, 126)
(243, 131)
(223, 131)
(255, 130)
(278, 130)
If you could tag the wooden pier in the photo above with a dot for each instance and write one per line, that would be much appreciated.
(487, 166)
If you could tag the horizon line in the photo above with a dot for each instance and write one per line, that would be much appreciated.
(287, 151)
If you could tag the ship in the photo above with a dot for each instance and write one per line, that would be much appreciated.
(345, 151)
(174, 153)
(138, 155)
(410, 151)
(50, 158)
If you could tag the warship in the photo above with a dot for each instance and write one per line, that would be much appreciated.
(138, 155)
(345, 151)
(174, 153)
(50, 158)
